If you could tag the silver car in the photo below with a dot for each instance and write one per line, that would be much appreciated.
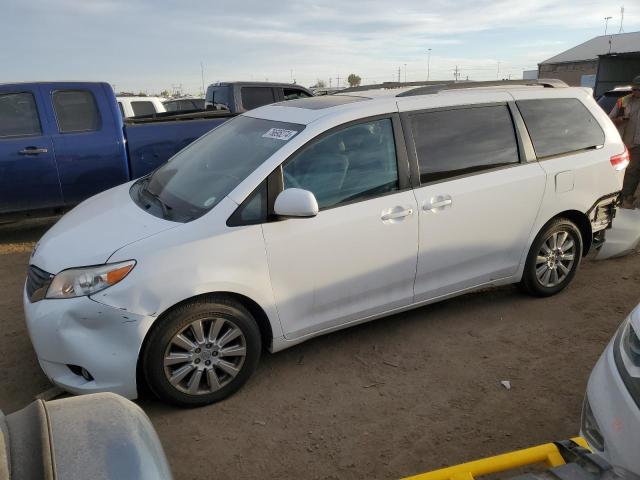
(611, 412)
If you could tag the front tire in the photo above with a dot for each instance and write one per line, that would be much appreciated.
(202, 352)
(553, 259)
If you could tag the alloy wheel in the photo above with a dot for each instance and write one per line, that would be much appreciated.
(205, 356)
(555, 259)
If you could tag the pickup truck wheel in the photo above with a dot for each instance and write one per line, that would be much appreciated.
(553, 259)
(202, 352)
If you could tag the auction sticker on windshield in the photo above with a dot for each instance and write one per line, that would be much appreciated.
(279, 134)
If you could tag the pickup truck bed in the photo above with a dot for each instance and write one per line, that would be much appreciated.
(151, 142)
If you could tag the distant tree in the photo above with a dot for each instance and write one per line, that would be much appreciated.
(321, 84)
(142, 94)
(354, 80)
(165, 93)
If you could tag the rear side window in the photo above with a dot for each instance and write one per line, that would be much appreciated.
(560, 125)
(456, 142)
(18, 115)
(121, 109)
(143, 108)
(76, 111)
(254, 97)
(293, 93)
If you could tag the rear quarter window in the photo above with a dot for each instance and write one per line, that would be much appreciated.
(560, 125)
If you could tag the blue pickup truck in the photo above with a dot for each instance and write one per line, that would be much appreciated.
(62, 142)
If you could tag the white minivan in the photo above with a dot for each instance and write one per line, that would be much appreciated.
(296, 219)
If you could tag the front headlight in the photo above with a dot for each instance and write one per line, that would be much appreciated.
(79, 282)
(590, 428)
(631, 344)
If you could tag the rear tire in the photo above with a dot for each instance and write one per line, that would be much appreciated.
(553, 259)
(201, 352)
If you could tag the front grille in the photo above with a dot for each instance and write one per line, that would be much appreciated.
(37, 283)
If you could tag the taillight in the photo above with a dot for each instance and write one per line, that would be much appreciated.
(620, 161)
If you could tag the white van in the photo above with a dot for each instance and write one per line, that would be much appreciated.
(299, 218)
(137, 106)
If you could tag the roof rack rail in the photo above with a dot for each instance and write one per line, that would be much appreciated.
(432, 89)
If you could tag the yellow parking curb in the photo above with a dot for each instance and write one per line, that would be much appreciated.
(542, 454)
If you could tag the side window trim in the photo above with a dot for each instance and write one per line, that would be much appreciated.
(405, 118)
(34, 96)
(525, 145)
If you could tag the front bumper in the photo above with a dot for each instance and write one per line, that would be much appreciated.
(615, 411)
(81, 332)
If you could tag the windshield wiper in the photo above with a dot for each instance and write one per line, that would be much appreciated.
(143, 189)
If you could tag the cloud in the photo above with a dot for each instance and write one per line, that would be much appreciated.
(152, 44)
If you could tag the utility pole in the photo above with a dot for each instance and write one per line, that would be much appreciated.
(456, 73)
(405, 73)
(398, 74)
(428, 64)
(621, 19)
(202, 75)
(330, 80)
(338, 79)
(292, 75)
(606, 23)
(498, 72)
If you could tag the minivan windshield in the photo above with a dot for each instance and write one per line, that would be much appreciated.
(197, 178)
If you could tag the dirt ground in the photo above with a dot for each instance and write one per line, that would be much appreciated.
(394, 397)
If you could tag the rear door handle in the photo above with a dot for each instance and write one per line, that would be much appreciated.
(33, 151)
(397, 214)
(438, 202)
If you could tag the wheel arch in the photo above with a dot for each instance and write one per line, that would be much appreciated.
(258, 313)
(582, 222)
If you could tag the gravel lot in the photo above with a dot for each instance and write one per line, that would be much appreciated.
(391, 398)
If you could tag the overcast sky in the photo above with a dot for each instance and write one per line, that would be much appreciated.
(152, 45)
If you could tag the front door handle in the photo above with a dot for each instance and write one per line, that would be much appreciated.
(438, 202)
(397, 214)
(33, 151)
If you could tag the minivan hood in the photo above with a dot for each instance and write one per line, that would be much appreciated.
(91, 232)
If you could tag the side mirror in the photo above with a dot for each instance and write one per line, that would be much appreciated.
(296, 202)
